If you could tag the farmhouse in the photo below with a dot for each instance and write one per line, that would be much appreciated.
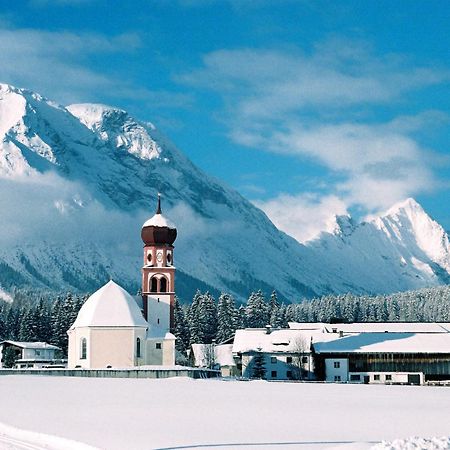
(286, 353)
(381, 352)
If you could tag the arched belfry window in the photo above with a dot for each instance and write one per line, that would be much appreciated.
(138, 347)
(163, 284)
(83, 348)
(154, 284)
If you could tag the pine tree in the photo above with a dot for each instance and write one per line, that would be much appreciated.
(278, 317)
(258, 365)
(240, 318)
(181, 328)
(226, 317)
(274, 305)
(257, 312)
(28, 327)
(2, 324)
(193, 320)
(42, 319)
(10, 357)
(207, 319)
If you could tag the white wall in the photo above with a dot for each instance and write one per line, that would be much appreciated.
(336, 369)
(106, 346)
(278, 363)
(383, 377)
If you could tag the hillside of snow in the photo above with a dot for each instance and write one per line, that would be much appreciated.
(78, 182)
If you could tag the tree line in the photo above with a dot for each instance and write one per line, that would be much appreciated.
(32, 317)
(39, 318)
(205, 320)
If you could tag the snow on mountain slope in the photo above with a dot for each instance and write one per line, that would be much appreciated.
(77, 183)
(73, 212)
(402, 249)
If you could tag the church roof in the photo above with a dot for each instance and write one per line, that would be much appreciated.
(110, 306)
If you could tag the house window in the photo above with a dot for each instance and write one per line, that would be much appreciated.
(273, 374)
(337, 378)
(376, 377)
(289, 359)
(38, 353)
(355, 378)
(304, 359)
(158, 345)
(273, 359)
(388, 377)
(289, 374)
(138, 347)
(83, 348)
(337, 365)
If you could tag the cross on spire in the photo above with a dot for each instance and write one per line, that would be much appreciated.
(158, 209)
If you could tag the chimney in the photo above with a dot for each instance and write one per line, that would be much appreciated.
(341, 333)
(268, 329)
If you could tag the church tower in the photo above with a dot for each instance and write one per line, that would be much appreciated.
(158, 273)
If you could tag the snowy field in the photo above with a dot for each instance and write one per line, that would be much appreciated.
(214, 414)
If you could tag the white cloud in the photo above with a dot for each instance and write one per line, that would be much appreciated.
(320, 106)
(264, 83)
(45, 207)
(58, 64)
(303, 216)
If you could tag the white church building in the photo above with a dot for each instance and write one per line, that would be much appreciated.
(111, 331)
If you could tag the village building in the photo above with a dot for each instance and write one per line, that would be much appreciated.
(381, 352)
(30, 355)
(212, 356)
(111, 330)
(286, 353)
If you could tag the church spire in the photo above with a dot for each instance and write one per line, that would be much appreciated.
(158, 209)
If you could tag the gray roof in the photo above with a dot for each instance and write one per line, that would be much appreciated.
(35, 345)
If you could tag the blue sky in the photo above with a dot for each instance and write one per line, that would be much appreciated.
(308, 108)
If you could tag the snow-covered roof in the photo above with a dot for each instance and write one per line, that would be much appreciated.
(110, 306)
(385, 343)
(307, 326)
(278, 340)
(158, 220)
(390, 327)
(374, 327)
(223, 354)
(32, 345)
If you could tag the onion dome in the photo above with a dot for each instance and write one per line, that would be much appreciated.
(158, 229)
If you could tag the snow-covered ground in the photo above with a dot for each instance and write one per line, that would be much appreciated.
(184, 413)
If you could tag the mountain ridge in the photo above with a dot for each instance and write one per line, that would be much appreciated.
(88, 172)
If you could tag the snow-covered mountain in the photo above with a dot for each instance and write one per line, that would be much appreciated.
(77, 182)
(399, 250)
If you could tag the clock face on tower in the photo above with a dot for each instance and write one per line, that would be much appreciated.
(159, 256)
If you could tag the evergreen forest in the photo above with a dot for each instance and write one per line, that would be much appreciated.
(41, 317)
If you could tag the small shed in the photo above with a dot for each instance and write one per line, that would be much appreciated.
(214, 357)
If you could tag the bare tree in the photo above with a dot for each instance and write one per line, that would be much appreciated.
(209, 355)
(300, 359)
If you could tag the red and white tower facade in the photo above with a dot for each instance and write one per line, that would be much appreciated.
(158, 272)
